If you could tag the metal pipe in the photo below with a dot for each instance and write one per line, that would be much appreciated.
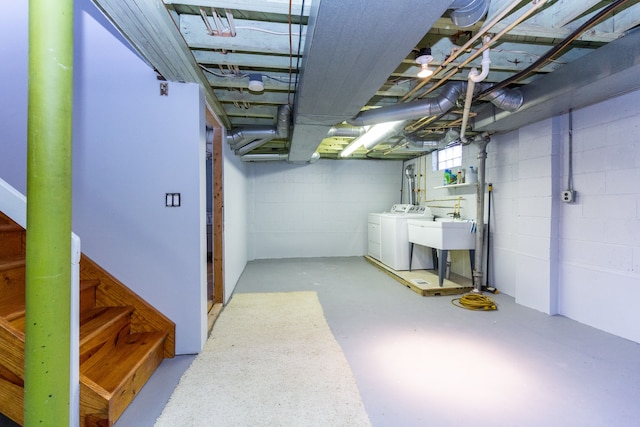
(477, 271)
(47, 367)
(266, 157)
(346, 132)
(536, 4)
(241, 136)
(252, 146)
(466, 46)
(408, 172)
(434, 106)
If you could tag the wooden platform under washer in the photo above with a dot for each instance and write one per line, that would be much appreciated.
(425, 282)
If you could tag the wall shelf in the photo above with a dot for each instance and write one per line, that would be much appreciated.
(466, 184)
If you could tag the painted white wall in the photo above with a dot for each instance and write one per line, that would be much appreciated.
(131, 146)
(317, 210)
(582, 259)
(235, 212)
(126, 156)
(599, 270)
(524, 168)
(13, 86)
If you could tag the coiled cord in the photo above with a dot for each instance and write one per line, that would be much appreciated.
(476, 302)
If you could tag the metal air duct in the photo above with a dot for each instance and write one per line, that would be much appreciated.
(506, 99)
(346, 132)
(439, 141)
(259, 135)
(275, 157)
(347, 58)
(467, 12)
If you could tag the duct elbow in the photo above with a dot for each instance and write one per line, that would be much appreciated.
(506, 99)
(436, 106)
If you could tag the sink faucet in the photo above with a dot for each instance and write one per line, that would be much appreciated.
(456, 210)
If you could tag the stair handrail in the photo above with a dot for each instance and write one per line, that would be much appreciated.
(14, 204)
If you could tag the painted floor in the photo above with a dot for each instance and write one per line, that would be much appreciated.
(421, 361)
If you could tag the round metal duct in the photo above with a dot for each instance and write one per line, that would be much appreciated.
(465, 13)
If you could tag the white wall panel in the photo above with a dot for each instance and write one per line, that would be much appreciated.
(236, 213)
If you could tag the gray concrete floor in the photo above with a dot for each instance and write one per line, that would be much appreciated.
(420, 361)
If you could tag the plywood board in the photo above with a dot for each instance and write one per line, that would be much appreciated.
(425, 282)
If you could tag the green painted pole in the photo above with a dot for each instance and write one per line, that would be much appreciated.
(48, 268)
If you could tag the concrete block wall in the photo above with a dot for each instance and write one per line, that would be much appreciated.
(319, 209)
(579, 259)
(523, 167)
(502, 172)
(600, 234)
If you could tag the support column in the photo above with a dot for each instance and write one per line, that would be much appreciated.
(48, 268)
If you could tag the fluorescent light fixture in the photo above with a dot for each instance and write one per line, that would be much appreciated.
(373, 137)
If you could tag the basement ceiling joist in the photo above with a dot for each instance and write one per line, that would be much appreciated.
(329, 59)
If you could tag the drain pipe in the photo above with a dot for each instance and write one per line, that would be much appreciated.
(482, 156)
(474, 77)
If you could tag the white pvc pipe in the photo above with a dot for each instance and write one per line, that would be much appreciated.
(473, 78)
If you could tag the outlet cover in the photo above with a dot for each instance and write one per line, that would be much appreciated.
(568, 196)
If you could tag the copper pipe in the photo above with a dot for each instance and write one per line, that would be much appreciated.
(472, 40)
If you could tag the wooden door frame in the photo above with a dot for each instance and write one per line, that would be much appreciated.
(217, 217)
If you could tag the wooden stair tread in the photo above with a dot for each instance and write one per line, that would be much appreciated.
(116, 367)
(12, 307)
(99, 318)
(10, 227)
(8, 263)
(114, 363)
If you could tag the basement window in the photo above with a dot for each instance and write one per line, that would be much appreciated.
(448, 158)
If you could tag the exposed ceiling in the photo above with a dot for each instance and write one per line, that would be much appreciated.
(330, 60)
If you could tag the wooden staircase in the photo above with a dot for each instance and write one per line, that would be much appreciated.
(123, 339)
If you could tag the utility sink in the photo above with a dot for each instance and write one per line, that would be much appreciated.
(448, 235)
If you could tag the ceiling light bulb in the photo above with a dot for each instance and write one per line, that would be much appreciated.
(423, 57)
(424, 71)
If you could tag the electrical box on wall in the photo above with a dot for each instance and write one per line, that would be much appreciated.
(568, 196)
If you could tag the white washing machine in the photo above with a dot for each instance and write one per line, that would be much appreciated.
(389, 239)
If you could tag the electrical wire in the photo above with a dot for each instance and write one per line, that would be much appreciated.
(549, 55)
(476, 302)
